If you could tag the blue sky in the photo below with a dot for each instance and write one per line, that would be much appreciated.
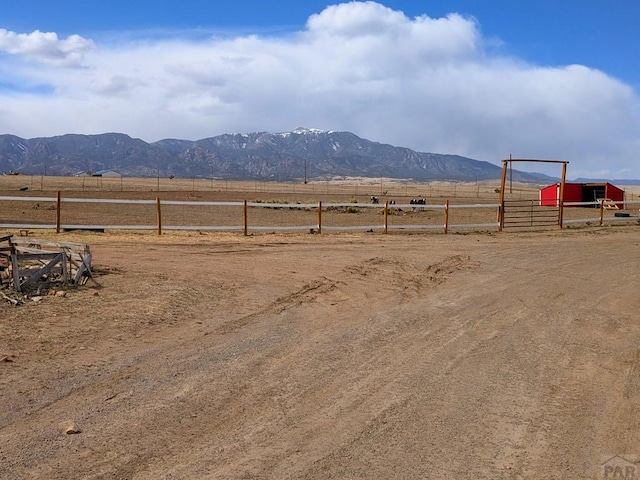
(485, 79)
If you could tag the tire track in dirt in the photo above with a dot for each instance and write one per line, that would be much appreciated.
(469, 361)
(384, 277)
(122, 385)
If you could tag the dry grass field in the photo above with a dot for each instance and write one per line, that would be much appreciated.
(343, 355)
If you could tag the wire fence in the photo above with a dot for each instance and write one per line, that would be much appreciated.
(483, 189)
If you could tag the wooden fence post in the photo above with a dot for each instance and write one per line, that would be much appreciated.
(386, 216)
(58, 203)
(503, 179)
(320, 217)
(159, 215)
(446, 216)
(245, 219)
(601, 212)
(561, 199)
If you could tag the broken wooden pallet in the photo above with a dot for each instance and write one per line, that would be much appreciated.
(29, 264)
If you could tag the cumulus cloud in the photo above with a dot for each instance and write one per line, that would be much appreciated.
(46, 47)
(425, 83)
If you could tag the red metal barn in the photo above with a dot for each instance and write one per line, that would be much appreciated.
(581, 192)
(550, 196)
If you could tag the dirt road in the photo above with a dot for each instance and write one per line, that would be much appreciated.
(512, 356)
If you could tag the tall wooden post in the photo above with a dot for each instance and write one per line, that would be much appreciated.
(58, 203)
(159, 214)
(503, 181)
(245, 218)
(319, 217)
(561, 201)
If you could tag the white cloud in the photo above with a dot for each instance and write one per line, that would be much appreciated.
(45, 47)
(424, 83)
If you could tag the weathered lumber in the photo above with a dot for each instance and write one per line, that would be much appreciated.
(9, 299)
(40, 272)
(34, 262)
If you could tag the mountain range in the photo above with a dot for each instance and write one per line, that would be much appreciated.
(300, 154)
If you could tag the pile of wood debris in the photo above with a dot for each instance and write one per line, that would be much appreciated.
(30, 266)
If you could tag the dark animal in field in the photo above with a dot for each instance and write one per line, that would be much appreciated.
(375, 200)
(418, 201)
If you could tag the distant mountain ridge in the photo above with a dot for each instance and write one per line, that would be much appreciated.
(301, 153)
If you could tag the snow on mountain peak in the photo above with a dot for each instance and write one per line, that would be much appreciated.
(303, 131)
(307, 130)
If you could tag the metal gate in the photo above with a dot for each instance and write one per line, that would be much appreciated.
(529, 213)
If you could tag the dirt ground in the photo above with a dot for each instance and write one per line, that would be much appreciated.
(218, 356)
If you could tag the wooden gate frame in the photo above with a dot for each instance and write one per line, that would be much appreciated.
(507, 163)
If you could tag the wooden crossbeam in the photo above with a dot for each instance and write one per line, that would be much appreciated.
(40, 272)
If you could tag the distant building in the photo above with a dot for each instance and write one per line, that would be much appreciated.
(82, 174)
(106, 174)
(582, 192)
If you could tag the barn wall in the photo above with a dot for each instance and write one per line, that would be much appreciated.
(549, 196)
(616, 194)
(573, 192)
